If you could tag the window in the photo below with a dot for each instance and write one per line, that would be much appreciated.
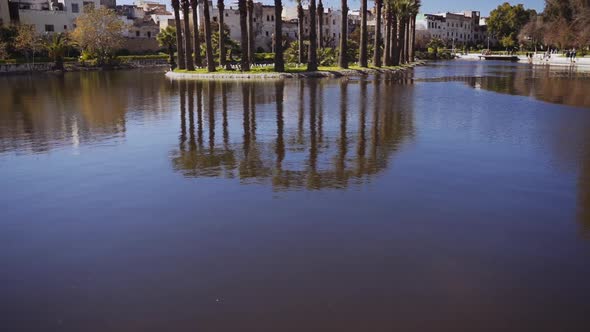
(214, 18)
(267, 18)
(266, 33)
(226, 15)
(65, 27)
(88, 4)
(272, 18)
(305, 30)
(149, 34)
(334, 34)
(75, 8)
(136, 33)
(49, 28)
(333, 22)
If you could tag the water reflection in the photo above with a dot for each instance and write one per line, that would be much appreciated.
(316, 153)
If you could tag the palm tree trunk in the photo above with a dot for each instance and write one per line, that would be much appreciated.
(413, 44)
(279, 61)
(179, 48)
(251, 50)
(363, 61)
(208, 33)
(377, 47)
(221, 8)
(320, 13)
(407, 44)
(245, 63)
(312, 65)
(196, 39)
(387, 48)
(395, 39)
(187, 37)
(342, 58)
(300, 32)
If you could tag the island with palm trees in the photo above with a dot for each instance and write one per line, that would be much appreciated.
(315, 53)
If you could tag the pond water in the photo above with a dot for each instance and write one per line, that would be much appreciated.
(455, 197)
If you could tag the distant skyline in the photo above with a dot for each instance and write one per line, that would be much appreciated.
(428, 6)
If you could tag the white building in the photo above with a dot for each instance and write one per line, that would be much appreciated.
(330, 26)
(4, 13)
(454, 28)
(52, 16)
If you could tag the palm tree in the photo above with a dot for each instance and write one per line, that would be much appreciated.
(208, 34)
(300, 23)
(180, 49)
(57, 47)
(167, 38)
(187, 36)
(320, 14)
(279, 61)
(196, 39)
(221, 8)
(342, 58)
(377, 48)
(416, 4)
(250, 5)
(312, 64)
(388, 24)
(363, 61)
(245, 63)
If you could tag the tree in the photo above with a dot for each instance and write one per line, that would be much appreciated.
(388, 26)
(378, 39)
(99, 32)
(506, 21)
(222, 55)
(196, 38)
(414, 10)
(251, 45)
(188, 48)
(320, 13)
(278, 36)
(363, 62)
(167, 38)
(342, 58)
(300, 28)
(180, 48)
(245, 64)
(27, 41)
(208, 44)
(56, 47)
(312, 64)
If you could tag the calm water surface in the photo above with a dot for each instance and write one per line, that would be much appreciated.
(452, 198)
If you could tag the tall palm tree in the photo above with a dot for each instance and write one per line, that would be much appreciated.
(394, 43)
(416, 4)
(279, 60)
(179, 47)
(342, 58)
(196, 39)
(320, 14)
(388, 24)
(312, 64)
(221, 8)
(187, 36)
(300, 16)
(363, 61)
(208, 35)
(402, 15)
(245, 63)
(251, 51)
(378, 39)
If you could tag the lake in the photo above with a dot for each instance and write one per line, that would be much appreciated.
(453, 197)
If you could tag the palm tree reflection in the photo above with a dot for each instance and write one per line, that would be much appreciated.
(317, 157)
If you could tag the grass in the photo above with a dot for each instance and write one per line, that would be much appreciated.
(290, 69)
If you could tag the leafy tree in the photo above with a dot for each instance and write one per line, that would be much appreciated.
(27, 41)
(167, 38)
(99, 32)
(506, 21)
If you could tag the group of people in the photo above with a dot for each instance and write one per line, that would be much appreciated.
(571, 55)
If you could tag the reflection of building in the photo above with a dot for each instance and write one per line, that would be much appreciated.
(309, 145)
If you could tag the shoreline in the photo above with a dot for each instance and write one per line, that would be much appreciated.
(298, 75)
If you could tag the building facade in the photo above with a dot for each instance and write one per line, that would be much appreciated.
(467, 28)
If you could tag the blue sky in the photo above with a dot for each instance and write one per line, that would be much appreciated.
(428, 6)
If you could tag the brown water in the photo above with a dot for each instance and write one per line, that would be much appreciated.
(452, 198)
